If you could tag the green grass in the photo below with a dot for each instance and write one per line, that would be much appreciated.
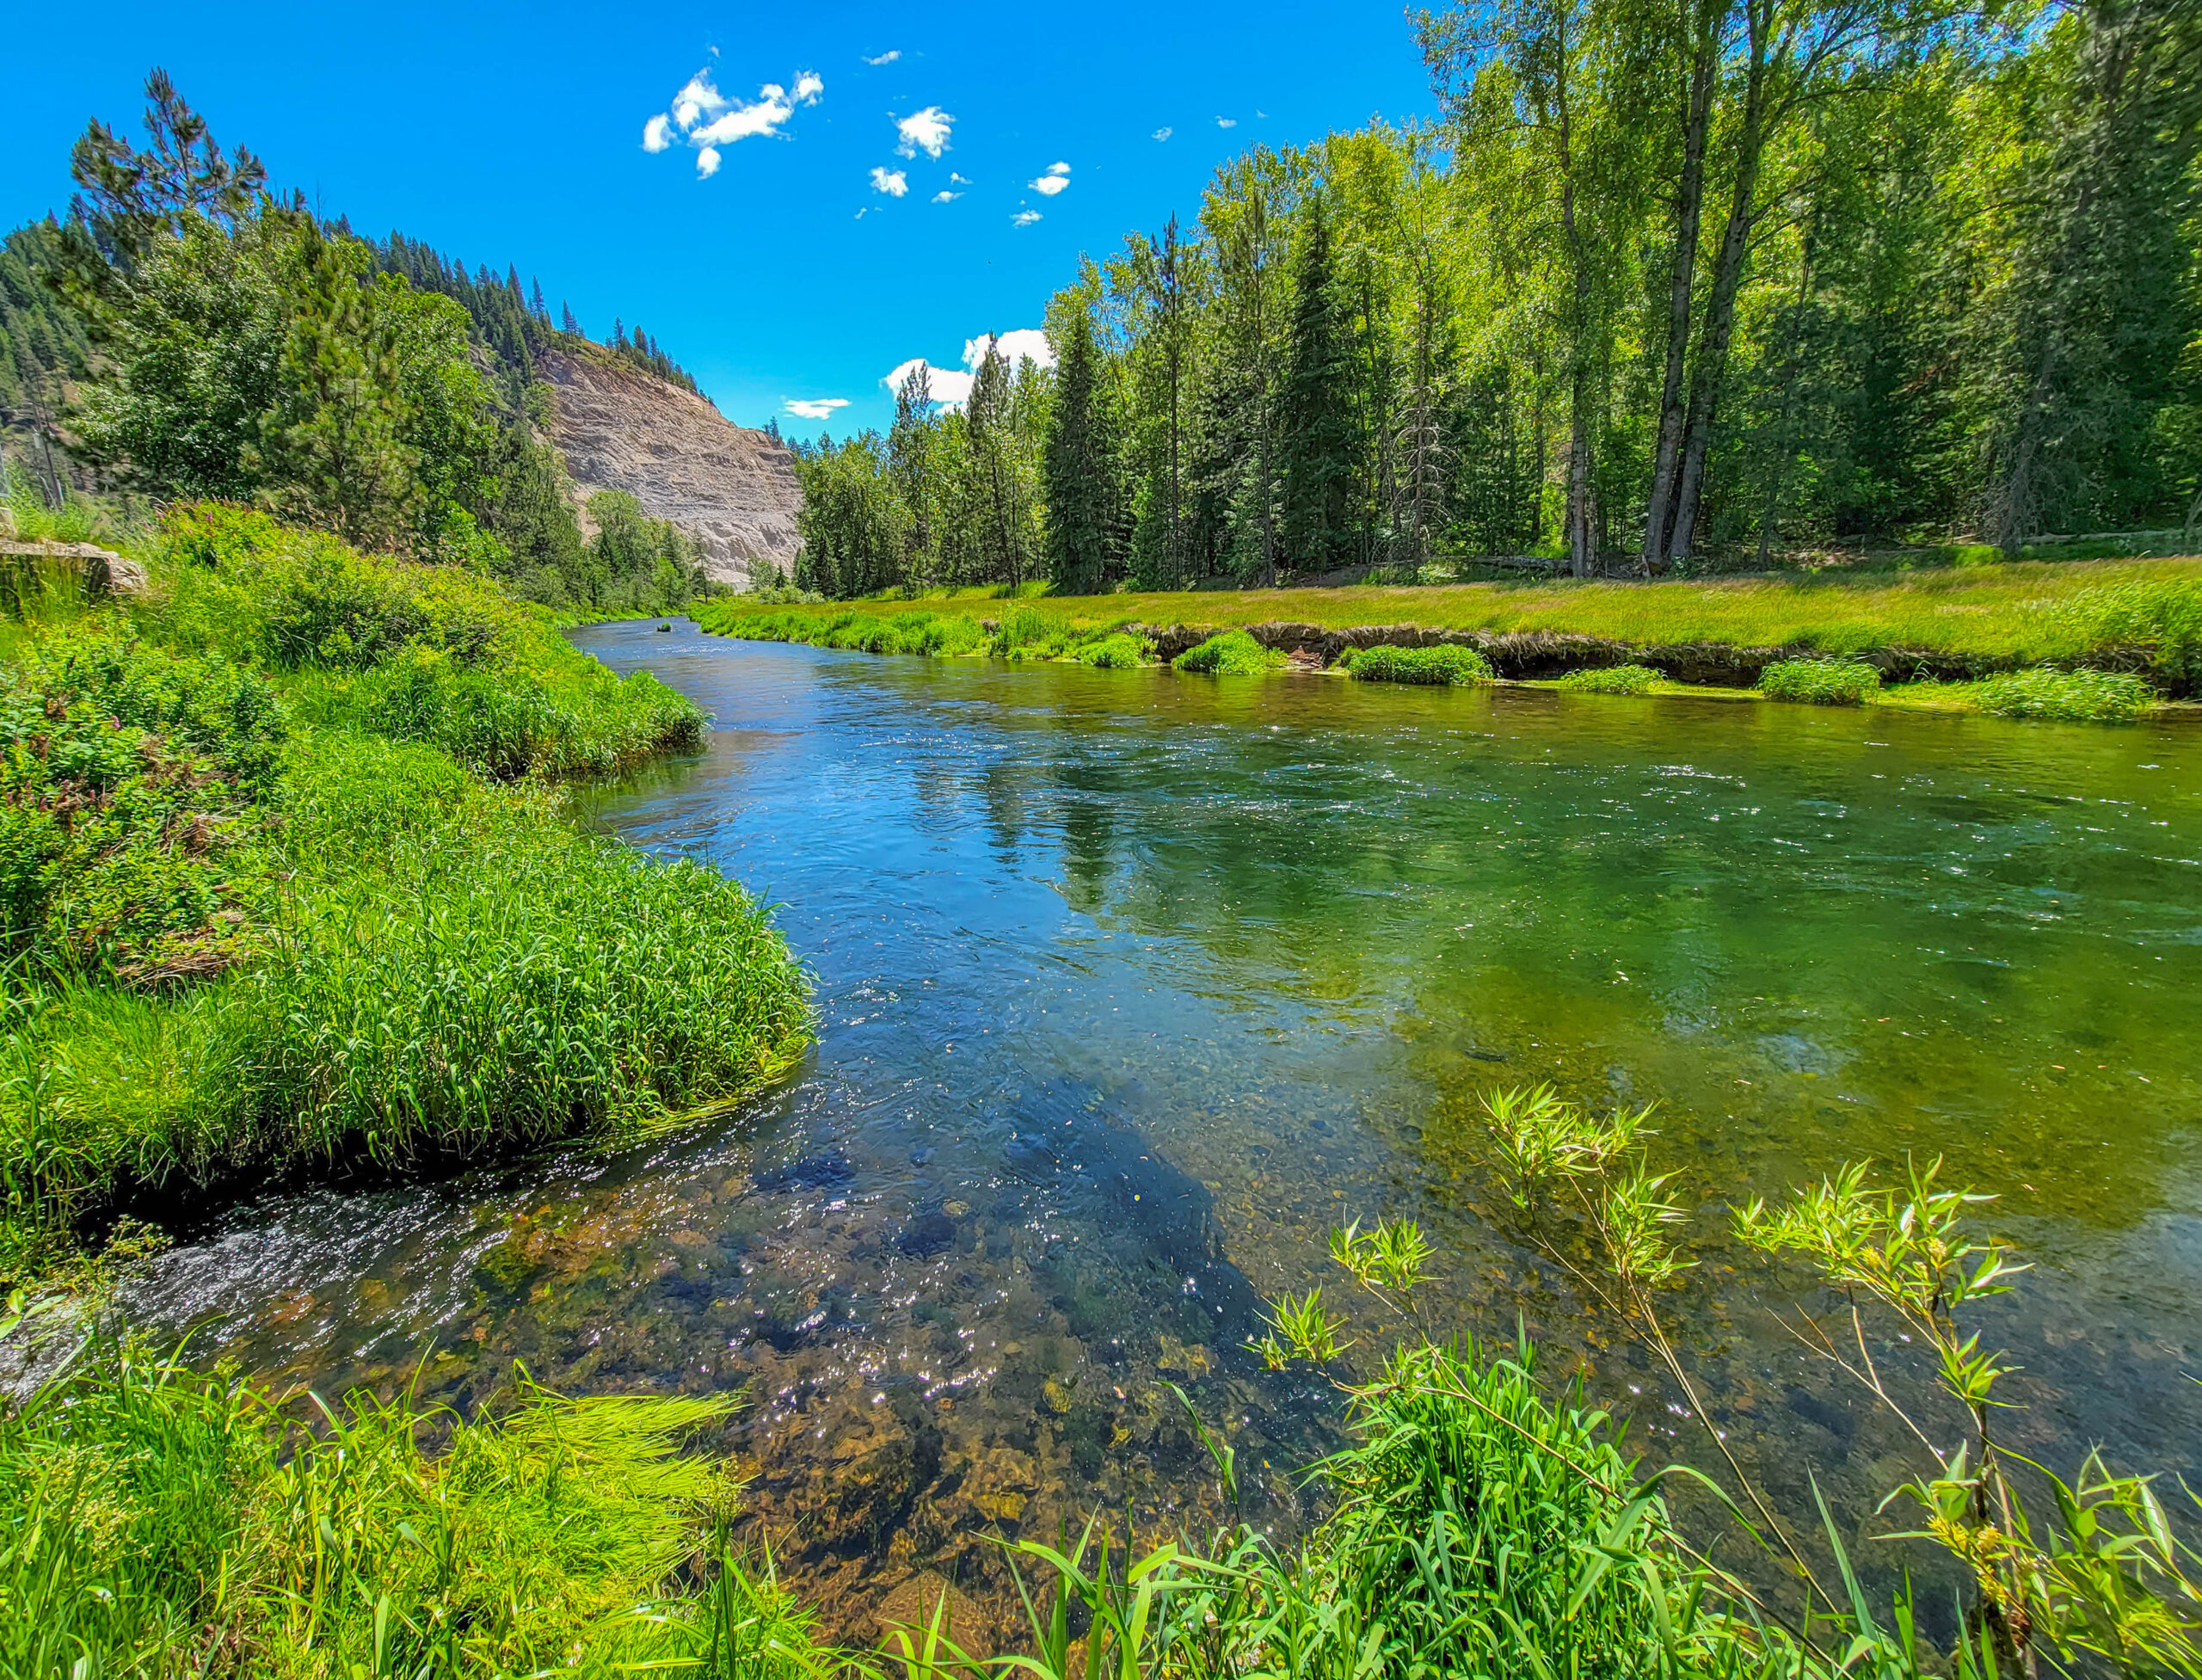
(2096, 697)
(1232, 653)
(155, 1521)
(287, 884)
(2029, 611)
(1820, 682)
(1612, 679)
(1437, 665)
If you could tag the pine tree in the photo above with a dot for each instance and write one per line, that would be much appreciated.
(535, 306)
(1080, 469)
(1317, 445)
(566, 321)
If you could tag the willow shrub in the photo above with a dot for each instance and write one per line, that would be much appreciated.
(1612, 679)
(1820, 682)
(1233, 654)
(2091, 696)
(1440, 665)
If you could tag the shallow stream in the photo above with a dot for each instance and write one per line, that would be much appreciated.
(1131, 985)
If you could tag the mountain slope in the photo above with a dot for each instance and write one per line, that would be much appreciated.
(619, 428)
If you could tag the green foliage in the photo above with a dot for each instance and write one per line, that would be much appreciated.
(1612, 679)
(2094, 697)
(1231, 653)
(154, 1515)
(1121, 651)
(1820, 682)
(361, 948)
(1081, 469)
(1440, 664)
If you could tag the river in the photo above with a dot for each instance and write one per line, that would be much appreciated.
(1131, 985)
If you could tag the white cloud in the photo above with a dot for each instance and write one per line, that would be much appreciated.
(956, 179)
(1164, 133)
(893, 182)
(1227, 122)
(707, 119)
(1024, 219)
(819, 408)
(696, 101)
(1057, 178)
(925, 131)
(945, 197)
(951, 387)
(886, 58)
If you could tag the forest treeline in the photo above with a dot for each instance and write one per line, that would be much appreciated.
(189, 334)
(1671, 284)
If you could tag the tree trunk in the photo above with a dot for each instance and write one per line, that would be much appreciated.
(1689, 211)
(1721, 307)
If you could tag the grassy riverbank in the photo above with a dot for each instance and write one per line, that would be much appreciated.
(286, 888)
(2140, 616)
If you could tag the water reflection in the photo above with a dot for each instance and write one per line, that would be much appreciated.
(1130, 986)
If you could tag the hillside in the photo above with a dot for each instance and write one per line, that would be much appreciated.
(733, 489)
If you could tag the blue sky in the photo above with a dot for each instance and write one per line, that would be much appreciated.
(817, 254)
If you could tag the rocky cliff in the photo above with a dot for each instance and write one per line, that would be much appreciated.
(733, 489)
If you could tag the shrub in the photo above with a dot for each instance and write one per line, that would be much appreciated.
(1234, 653)
(1612, 679)
(2094, 697)
(1444, 664)
(1820, 682)
(1117, 651)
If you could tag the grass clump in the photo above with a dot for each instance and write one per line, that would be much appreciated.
(1118, 651)
(163, 1522)
(2091, 696)
(1440, 664)
(1233, 653)
(1820, 682)
(1612, 679)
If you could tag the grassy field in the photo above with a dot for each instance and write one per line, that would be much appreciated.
(288, 886)
(2030, 611)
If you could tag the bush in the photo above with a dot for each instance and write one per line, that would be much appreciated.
(1444, 664)
(1612, 679)
(2092, 697)
(1234, 653)
(1820, 682)
(1117, 651)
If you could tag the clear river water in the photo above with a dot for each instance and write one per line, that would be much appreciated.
(1130, 986)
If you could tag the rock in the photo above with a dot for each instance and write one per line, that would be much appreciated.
(104, 571)
(733, 489)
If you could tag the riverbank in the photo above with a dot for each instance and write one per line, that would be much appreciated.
(1941, 624)
(289, 890)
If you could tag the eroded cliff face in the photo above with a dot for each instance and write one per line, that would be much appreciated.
(733, 489)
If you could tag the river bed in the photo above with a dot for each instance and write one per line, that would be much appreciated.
(1131, 985)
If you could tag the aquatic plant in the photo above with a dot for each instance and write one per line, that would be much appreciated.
(1231, 653)
(1612, 679)
(1445, 663)
(1120, 650)
(2092, 697)
(1820, 682)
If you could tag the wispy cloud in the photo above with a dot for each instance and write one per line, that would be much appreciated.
(945, 196)
(816, 408)
(886, 58)
(952, 386)
(1057, 178)
(893, 182)
(1227, 122)
(1024, 219)
(1165, 131)
(956, 179)
(925, 131)
(708, 120)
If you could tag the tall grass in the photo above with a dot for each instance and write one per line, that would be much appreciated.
(1819, 682)
(2094, 697)
(1438, 666)
(286, 886)
(1233, 653)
